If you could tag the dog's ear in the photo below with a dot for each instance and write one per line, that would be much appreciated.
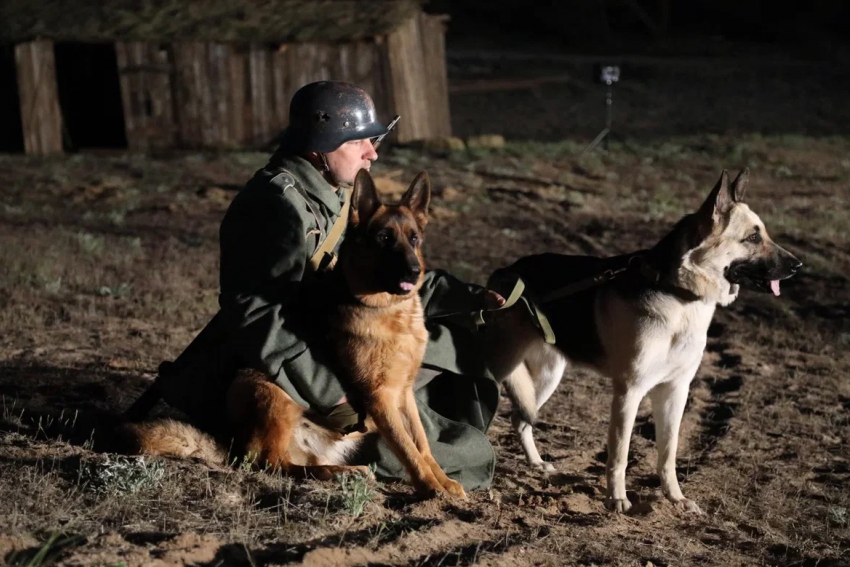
(739, 186)
(364, 199)
(719, 201)
(718, 204)
(418, 197)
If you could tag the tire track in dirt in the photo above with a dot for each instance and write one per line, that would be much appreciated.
(468, 554)
(404, 542)
(433, 545)
(347, 547)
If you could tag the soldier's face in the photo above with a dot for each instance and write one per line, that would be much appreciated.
(345, 161)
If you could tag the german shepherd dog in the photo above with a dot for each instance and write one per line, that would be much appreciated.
(646, 329)
(377, 328)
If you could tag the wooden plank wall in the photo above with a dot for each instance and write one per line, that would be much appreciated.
(41, 116)
(235, 96)
(226, 95)
(203, 99)
(144, 71)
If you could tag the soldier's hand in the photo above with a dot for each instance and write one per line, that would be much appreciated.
(493, 300)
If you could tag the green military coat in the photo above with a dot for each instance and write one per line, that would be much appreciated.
(268, 321)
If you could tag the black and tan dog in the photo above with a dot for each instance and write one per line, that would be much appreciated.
(646, 328)
(378, 330)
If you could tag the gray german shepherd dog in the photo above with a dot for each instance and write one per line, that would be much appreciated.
(646, 328)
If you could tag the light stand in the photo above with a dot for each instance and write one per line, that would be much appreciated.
(608, 74)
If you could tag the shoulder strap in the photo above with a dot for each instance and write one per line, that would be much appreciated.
(285, 180)
(325, 257)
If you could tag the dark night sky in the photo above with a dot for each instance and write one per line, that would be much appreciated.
(622, 25)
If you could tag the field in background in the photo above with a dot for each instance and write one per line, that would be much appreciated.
(109, 265)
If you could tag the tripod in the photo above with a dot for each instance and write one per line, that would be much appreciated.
(606, 133)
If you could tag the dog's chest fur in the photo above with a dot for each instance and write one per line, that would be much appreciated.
(382, 346)
(656, 339)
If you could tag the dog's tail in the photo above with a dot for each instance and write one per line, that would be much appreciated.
(520, 388)
(170, 438)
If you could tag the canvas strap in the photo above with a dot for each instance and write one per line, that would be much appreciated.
(519, 294)
(513, 289)
(325, 258)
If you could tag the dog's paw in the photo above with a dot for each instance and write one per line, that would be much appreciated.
(454, 488)
(731, 296)
(688, 505)
(429, 486)
(543, 466)
(362, 471)
(618, 505)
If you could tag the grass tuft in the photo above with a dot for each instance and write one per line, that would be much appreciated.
(356, 491)
(47, 553)
(121, 475)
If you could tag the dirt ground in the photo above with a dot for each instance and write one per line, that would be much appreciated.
(109, 265)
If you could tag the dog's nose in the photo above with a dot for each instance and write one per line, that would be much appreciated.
(796, 266)
(415, 269)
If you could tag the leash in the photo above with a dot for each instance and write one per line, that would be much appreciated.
(520, 293)
(593, 281)
(517, 295)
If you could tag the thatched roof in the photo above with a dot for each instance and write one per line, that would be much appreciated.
(215, 20)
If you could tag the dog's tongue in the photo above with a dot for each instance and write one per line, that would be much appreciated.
(407, 286)
(774, 287)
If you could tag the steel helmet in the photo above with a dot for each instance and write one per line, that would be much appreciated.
(326, 114)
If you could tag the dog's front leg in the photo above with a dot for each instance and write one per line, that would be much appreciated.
(668, 406)
(385, 409)
(417, 431)
(624, 408)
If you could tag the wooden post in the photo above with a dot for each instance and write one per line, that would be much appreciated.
(144, 73)
(433, 30)
(406, 68)
(259, 70)
(189, 84)
(217, 97)
(239, 112)
(415, 62)
(41, 116)
(283, 86)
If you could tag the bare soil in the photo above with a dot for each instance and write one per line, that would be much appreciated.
(109, 265)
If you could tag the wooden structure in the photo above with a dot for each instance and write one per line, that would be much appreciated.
(226, 88)
(40, 116)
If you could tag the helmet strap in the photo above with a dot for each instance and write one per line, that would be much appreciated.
(325, 167)
(326, 170)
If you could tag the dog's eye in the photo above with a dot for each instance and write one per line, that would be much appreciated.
(414, 239)
(383, 238)
(754, 238)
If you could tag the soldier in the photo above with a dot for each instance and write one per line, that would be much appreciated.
(282, 231)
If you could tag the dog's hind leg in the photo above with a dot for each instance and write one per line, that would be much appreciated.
(529, 387)
(668, 405)
(520, 388)
(265, 418)
(168, 437)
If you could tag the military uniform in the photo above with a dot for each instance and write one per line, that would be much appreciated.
(268, 321)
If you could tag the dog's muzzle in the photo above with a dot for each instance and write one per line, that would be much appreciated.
(763, 275)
